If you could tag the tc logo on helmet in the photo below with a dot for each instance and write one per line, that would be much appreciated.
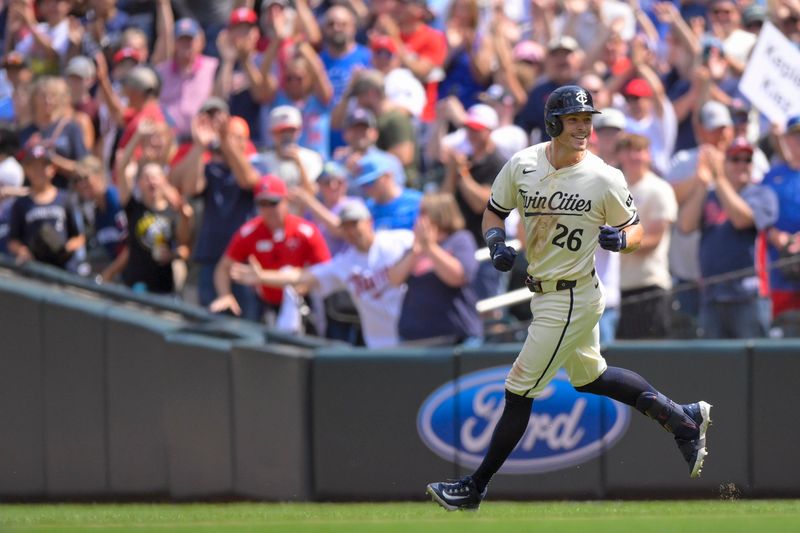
(582, 97)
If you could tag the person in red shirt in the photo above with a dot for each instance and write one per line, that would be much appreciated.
(275, 239)
(421, 48)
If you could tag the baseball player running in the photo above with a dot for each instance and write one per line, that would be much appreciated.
(570, 200)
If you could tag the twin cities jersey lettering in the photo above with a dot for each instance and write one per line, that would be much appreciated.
(562, 210)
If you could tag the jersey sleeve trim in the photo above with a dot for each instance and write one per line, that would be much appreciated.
(630, 222)
(497, 209)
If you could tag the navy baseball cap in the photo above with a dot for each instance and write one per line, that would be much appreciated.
(187, 27)
(793, 124)
(372, 167)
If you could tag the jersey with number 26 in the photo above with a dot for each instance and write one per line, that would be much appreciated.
(562, 210)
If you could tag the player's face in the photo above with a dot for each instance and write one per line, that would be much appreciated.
(577, 129)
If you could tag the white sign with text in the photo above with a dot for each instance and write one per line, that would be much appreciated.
(771, 79)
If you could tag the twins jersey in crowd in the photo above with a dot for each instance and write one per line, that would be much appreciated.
(563, 208)
(366, 277)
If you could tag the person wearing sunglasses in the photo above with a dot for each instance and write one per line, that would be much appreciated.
(273, 239)
(729, 210)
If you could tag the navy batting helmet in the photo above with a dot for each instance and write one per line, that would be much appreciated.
(565, 101)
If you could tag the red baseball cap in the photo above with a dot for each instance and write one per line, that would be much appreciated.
(128, 53)
(739, 144)
(242, 15)
(382, 42)
(270, 187)
(638, 87)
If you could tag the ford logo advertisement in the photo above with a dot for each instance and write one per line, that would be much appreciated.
(566, 427)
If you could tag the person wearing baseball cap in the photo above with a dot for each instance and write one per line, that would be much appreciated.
(187, 77)
(649, 113)
(297, 165)
(561, 67)
(360, 135)
(273, 240)
(52, 236)
(730, 211)
(784, 236)
(392, 205)
(608, 126)
(360, 270)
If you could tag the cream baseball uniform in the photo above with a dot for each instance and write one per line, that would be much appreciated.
(562, 211)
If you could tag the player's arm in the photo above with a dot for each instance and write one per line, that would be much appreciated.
(495, 236)
(633, 236)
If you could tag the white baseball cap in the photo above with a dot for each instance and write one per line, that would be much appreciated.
(285, 116)
(609, 118)
(481, 117)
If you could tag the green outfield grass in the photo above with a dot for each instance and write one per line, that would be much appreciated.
(612, 516)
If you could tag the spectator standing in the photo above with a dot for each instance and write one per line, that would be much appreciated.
(325, 207)
(187, 78)
(644, 276)
(305, 86)
(43, 224)
(341, 54)
(470, 172)
(45, 43)
(438, 272)
(391, 206)
(609, 126)
(217, 169)
(54, 128)
(784, 237)
(714, 131)
(396, 133)
(159, 229)
(401, 87)
(421, 48)
(650, 114)
(81, 77)
(274, 239)
(361, 134)
(239, 71)
(468, 63)
(296, 165)
(17, 108)
(562, 65)
(730, 211)
(362, 270)
(104, 221)
(12, 177)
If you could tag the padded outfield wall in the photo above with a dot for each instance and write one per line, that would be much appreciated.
(104, 400)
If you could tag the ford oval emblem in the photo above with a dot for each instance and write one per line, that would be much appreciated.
(566, 427)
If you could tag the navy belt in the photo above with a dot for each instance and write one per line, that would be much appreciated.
(536, 285)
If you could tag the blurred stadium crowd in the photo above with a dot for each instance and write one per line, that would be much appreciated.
(323, 165)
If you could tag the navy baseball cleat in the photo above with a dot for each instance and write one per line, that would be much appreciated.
(694, 450)
(457, 495)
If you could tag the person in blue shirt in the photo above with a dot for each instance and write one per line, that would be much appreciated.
(784, 236)
(730, 211)
(217, 169)
(341, 55)
(391, 205)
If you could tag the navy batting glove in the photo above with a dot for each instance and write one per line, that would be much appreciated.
(502, 255)
(612, 239)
